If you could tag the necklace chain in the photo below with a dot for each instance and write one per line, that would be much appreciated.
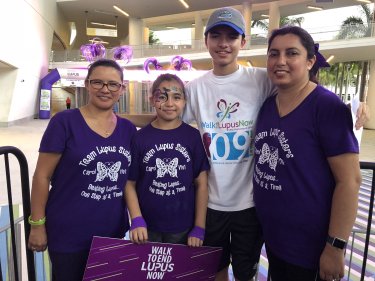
(95, 124)
(293, 101)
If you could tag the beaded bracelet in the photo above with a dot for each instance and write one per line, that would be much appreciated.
(38, 222)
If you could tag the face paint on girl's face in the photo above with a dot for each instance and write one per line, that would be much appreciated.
(174, 94)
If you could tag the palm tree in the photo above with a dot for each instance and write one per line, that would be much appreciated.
(291, 21)
(357, 27)
(263, 24)
(152, 38)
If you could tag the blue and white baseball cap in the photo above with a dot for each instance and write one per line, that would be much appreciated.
(226, 16)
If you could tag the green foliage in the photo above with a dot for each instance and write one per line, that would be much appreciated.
(263, 24)
(152, 38)
(357, 27)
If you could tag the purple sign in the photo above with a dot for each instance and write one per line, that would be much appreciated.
(118, 259)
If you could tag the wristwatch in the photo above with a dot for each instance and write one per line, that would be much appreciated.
(336, 242)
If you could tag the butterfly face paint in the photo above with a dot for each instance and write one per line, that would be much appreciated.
(174, 94)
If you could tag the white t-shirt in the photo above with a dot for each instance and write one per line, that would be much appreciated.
(225, 109)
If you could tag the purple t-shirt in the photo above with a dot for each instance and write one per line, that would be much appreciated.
(86, 196)
(165, 164)
(293, 183)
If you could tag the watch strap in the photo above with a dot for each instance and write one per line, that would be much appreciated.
(336, 242)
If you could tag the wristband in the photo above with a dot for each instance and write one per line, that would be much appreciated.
(38, 222)
(138, 222)
(197, 232)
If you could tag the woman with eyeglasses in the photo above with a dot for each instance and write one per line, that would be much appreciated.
(77, 188)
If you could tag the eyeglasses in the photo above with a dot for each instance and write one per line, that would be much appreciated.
(111, 85)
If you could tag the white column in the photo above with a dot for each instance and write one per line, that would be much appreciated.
(146, 35)
(197, 30)
(135, 31)
(247, 14)
(371, 97)
(274, 21)
(135, 36)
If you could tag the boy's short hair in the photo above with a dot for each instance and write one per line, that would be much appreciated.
(226, 16)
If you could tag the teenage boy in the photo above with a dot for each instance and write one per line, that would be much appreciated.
(225, 103)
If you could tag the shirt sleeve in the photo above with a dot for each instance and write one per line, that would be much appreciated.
(265, 84)
(335, 126)
(200, 158)
(55, 135)
(188, 115)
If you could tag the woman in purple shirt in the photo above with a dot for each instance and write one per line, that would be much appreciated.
(306, 176)
(77, 189)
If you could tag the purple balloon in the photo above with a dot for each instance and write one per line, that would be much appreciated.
(152, 61)
(93, 51)
(124, 53)
(179, 62)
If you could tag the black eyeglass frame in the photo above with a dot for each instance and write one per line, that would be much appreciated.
(109, 84)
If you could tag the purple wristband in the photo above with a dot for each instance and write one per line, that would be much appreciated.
(138, 222)
(197, 232)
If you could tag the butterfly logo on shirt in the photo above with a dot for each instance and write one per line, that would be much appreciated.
(270, 156)
(110, 170)
(226, 109)
(166, 167)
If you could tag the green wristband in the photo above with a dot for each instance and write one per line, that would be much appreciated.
(38, 222)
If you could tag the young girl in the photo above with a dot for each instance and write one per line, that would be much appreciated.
(166, 191)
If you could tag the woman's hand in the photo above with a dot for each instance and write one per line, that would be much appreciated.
(332, 263)
(37, 238)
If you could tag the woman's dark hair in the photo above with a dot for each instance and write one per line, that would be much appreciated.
(306, 40)
(106, 63)
(167, 77)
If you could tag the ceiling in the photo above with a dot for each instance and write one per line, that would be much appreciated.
(157, 14)
(74, 10)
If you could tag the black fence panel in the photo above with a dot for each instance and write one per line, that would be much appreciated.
(24, 173)
(368, 166)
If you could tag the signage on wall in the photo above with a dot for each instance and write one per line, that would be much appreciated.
(90, 31)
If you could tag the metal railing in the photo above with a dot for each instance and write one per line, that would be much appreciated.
(178, 47)
(357, 271)
(10, 252)
(15, 224)
(371, 167)
(24, 173)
